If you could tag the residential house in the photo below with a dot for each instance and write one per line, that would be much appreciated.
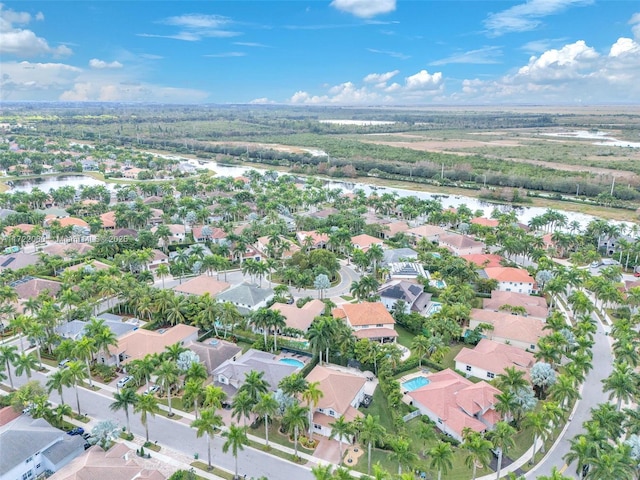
(69, 250)
(214, 352)
(455, 404)
(230, 375)
(484, 260)
(399, 255)
(490, 358)
(177, 231)
(16, 261)
(20, 228)
(364, 242)
(248, 297)
(30, 287)
(159, 258)
(485, 222)
(131, 172)
(390, 230)
(206, 233)
(29, 448)
(108, 220)
(76, 329)
(406, 271)
(286, 246)
(78, 224)
(461, 244)
(369, 320)
(342, 394)
(312, 240)
(139, 343)
(517, 330)
(533, 305)
(511, 279)
(300, 318)
(412, 294)
(118, 463)
(200, 285)
(431, 233)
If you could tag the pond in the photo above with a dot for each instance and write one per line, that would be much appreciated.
(47, 183)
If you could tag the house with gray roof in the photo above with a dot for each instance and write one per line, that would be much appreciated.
(231, 374)
(412, 294)
(31, 447)
(395, 255)
(75, 329)
(5, 212)
(214, 352)
(248, 297)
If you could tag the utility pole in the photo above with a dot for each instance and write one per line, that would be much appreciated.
(442, 172)
(613, 182)
(577, 189)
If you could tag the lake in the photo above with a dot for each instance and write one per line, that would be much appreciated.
(47, 183)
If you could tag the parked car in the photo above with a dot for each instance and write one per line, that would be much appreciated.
(76, 431)
(63, 363)
(124, 380)
(151, 390)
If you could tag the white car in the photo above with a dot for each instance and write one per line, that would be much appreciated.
(151, 390)
(124, 380)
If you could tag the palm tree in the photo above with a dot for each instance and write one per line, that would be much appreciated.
(341, 429)
(77, 373)
(420, 346)
(58, 380)
(582, 449)
(267, 407)
(322, 472)
(193, 393)
(312, 396)
(537, 422)
(502, 438)
(167, 375)
(236, 439)
(370, 432)
(441, 458)
(213, 396)
(207, 425)
(622, 383)
(123, 399)
(59, 412)
(564, 391)
(25, 363)
(276, 321)
(478, 451)
(8, 356)
(163, 272)
(102, 335)
(294, 420)
(143, 368)
(146, 405)
(511, 379)
(616, 464)
(254, 385)
(242, 406)
(402, 453)
(85, 349)
(555, 475)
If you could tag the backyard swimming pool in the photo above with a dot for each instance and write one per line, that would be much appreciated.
(292, 361)
(415, 383)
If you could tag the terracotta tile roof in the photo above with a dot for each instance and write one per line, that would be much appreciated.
(32, 288)
(513, 327)
(365, 313)
(23, 227)
(509, 274)
(339, 388)
(535, 306)
(202, 284)
(494, 357)
(455, 400)
(108, 220)
(458, 241)
(317, 237)
(8, 414)
(71, 221)
(485, 222)
(479, 259)
(426, 231)
(94, 263)
(62, 249)
(375, 333)
(300, 318)
(395, 227)
(141, 342)
(365, 241)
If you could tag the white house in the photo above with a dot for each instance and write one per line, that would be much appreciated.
(489, 359)
(511, 279)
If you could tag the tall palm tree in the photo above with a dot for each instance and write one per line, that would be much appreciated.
(294, 420)
(276, 321)
(8, 356)
(59, 412)
(622, 384)
(312, 396)
(242, 406)
(616, 463)
(58, 380)
(146, 405)
(77, 373)
(511, 379)
(370, 432)
(254, 384)
(441, 458)
(85, 349)
(402, 453)
(322, 472)
(555, 475)
(163, 272)
(420, 346)
(213, 397)
(341, 429)
(581, 451)
(167, 376)
(502, 438)
(236, 439)
(564, 391)
(193, 393)
(102, 335)
(478, 451)
(123, 400)
(207, 425)
(25, 363)
(537, 422)
(267, 407)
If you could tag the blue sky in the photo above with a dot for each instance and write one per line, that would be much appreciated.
(340, 52)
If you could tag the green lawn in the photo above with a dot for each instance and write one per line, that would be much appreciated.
(404, 336)
(276, 437)
(448, 361)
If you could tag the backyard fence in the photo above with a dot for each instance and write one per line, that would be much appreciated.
(410, 416)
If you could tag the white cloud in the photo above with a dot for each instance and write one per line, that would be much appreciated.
(225, 55)
(624, 46)
(111, 92)
(151, 56)
(527, 16)
(250, 44)
(365, 8)
(391, 53)
(261, 101)
(485, 55)
(635, 22)
(195, 27)
(423, 80)
(101, 64)
(568, 62)
(22, 42)
(35, 81)
(380, 77)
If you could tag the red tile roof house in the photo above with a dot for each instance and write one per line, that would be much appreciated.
(516, 330)
(318, 240)
(461, 244)
(364, 242)
(287, 246)
(511, 279)
(484, 260)
(178, 234)
(393, 228)
(534, 306)
(368, 320)
(200, 285)
(454, 403)
(215, 234)
(485, 222)
(490, 358)
(429, 232)
(300, 318)
(342, 394)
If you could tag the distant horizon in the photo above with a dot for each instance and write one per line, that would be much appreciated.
(322, 52)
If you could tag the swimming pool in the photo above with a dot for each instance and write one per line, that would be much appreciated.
(292, 361)
(439, 284)
(415, 383)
